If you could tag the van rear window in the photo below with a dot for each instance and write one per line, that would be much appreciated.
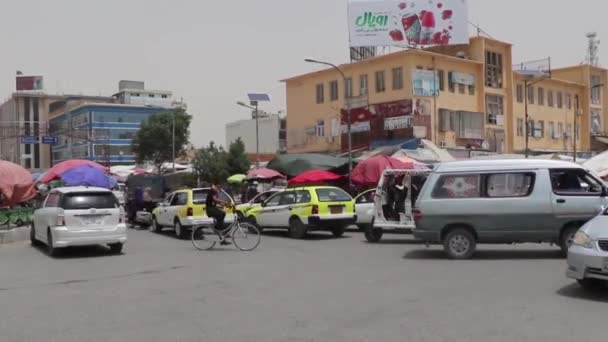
(333, 195)
(457, 186)
(89, 200)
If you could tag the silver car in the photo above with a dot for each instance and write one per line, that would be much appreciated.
(588, 255)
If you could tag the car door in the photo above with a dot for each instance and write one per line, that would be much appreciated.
(43, 217)
(283, 211)
(364, 206)
(266, 218)
(179, 201)
(163, 210)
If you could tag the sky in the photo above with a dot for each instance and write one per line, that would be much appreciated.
(212, 53)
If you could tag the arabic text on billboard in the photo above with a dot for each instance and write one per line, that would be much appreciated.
(425, 83)
(357, 127)
(399, 122)
(407, 23)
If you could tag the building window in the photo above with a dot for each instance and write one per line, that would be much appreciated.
(520, 93)
(380, 84)
(135, 94)
(471, 89)
(164, 96)
(461, 88)
(451, 84)
(568, 132)
(560, 100)
(441, 76)
(333, 90)
(541, 96)
(320, 128)
(539, 129)
(397, 78)
(551, 129)
(596, 121)
(493, 69)
(320, 93)
(151, 95)
(531, 128)
(595, 90)
(550, 98)
(569, 101)
(531, 95)
(494, 109)
(363, 85)
(349, 87)
(560, 130)
(520, 127)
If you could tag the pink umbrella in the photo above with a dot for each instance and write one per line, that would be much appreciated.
(369, 171)
(315, 177)
(56, 171)
(263, 174)
(16, 184)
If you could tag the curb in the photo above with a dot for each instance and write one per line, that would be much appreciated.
(18, 234)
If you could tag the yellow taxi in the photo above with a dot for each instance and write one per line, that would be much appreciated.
(305, 209)
(185, 209)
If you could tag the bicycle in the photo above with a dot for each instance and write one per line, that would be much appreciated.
(206, 237)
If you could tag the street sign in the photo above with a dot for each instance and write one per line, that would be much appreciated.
(50, 140)
(29, 139)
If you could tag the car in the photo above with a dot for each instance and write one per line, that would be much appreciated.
(364, 207)
(79, 216)
(504, 201)
(185, 209)
(306, 209)
(243, 209)
(588, 255)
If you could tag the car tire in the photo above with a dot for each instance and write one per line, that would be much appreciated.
(591, 284)
(33, 239)
(180, 231)
(338, 232)
(154, 227)
(240, 216)
(297, 229)
(115, 248)
(459, 244)
(51, 250)
(372, 234)
(566, 238)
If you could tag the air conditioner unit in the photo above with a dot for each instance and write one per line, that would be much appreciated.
(443, 144)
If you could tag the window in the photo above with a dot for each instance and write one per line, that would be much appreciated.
(541, 96)
(531, 95)
(119, 117)
(560, 130)
(471, 89)
(560, 100)
(519, 91)
(596, 121)
(112, 150)
(520, 127)
(288, 198)
(135, 94)
(568, 101)
(461, 88)
(125, 134)
(539, 129)
(164, 96)
(451, 84)
(530, 128)
(575, 182)
(457, 186)
(568, 132)
(494, 109)
(320, 128)
(199, 196)
(595, 90)
(441, 76)
(88, 200)
(274, 200)
(333, 90)
(493, 69)
(466, 125)
(397, 78)
(349, 87)
(180, 198)
(380, 85)
(302, 196)
(333, 195)
(550, 98)
(552, 129)
(320, 93)
(509, 185)
(52, 201)
(363, 85)
(366, 197)
(151, 95)
(262, 197)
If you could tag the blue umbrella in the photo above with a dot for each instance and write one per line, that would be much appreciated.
(87, 175)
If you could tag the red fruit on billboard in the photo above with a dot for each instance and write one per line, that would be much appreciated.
(427, 21)
(445, 39)
(396, 35)
(402, 6)
(439, 5)
(447, 14)
(437, 38)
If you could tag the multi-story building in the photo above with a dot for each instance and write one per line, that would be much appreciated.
(461, 97)
(272, 134)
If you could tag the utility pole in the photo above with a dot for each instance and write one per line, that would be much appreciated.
(173, 140)
(257, 136)
(574, 135)
(527, 122)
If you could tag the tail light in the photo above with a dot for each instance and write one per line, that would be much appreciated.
(417, 214)
(190, 212)
(315, 209)
(60, 220)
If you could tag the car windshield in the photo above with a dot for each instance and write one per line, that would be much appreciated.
(332, 195)
(89, 200)
(199, 196)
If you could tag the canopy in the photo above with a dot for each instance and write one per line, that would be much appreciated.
(315, 177)
(236, 179)
(294, 164)
(56, 171)
(263, 174)
(16, 184)
(87, 175)
(369, 171)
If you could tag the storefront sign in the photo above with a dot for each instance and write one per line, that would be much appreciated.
(400, 122)
(357, 127)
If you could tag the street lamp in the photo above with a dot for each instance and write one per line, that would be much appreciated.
(254, 100)
(348, 119)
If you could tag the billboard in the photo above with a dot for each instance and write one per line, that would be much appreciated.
(407, 23)
(27, 83)
(425, 82)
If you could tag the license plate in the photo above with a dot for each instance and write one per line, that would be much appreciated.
(335, 210)
(92, 220)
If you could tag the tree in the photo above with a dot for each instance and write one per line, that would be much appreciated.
(210, 164)
(237, 158)
(153, 141)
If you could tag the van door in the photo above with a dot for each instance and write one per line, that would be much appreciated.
(577, 196)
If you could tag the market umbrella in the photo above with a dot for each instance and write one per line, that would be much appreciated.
(56, 171)
(236, 179)
(369, 171)
(263, 174)
(315, 177)
(16, 184)
(294, 164)
(87, 175)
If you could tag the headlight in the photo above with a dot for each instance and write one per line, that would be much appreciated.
(583, 240)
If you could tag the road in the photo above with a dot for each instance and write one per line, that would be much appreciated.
(320, 289)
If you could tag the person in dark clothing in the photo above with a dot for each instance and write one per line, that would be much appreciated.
(400, 196)
(252, 191)
(212, 202)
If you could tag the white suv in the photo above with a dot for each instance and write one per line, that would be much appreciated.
(79, 216)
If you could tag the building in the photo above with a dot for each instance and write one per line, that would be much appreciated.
(134, 93)
(462, 97)
(272, 134)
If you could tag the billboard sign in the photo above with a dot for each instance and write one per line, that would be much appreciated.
(399, 122)
(29, 83)
(29, 139)
(407, 23)
(425, 83)
(50, 140)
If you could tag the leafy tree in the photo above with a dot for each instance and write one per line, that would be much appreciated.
(237, 158)
(210, 164)
(153, 141)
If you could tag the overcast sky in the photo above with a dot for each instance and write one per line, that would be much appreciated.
(212, 52)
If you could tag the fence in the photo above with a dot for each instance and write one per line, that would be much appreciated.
(11, 218)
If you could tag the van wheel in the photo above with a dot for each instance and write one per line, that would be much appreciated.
(180, 231)
(566, 239)
(459, 244)
(372, 234)
(154, 227)
(297, 229)
(338, 232)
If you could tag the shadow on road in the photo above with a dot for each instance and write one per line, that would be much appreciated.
(577, 292)
(488, 254)
(79, 252)
(395, 242)
(312, 236)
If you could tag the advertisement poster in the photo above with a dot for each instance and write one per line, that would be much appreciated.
(425, 83)
(407, 23)
(399, 122)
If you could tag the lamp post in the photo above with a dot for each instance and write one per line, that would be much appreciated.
(348, 119)
(257, 126)
(173, 140)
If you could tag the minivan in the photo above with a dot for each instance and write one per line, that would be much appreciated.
(506, 201)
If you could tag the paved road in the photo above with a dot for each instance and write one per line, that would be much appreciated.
(322, 289)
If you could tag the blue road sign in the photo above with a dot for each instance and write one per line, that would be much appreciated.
(50, 140)
(29, 139)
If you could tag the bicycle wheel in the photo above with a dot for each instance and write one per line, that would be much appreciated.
(246, 236)
(204, 238)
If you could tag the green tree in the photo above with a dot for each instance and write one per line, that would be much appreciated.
(210, 164)
(153, 141)
(237, 158)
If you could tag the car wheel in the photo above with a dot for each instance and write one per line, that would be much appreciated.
(591, 284)
(297, 229)
(154, 227)
(33, 235)
(50, 248)
(180, 231)
(566, 239)
(372, 234)
(338, 232)
(459, 244)
(253, 221)
(240, 216)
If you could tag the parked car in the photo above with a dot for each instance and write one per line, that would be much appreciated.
(505, 201)
(588, 255)
(185, 209)
(243, 209)
(305, 209)
(364, 207)
(79, 216)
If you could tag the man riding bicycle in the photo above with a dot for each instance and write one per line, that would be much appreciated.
(213, 210)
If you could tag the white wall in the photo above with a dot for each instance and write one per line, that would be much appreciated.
(245, 129)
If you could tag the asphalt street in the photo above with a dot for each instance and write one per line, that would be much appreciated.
(320, 289)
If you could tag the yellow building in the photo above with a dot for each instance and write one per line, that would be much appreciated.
(463, 97)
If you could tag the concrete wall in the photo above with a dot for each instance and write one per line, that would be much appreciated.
(245, 129)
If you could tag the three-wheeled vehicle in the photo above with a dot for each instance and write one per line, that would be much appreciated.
(394, 202)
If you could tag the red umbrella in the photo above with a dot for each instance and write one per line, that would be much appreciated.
(56, 171)
(16, 184)
(369, 171)
(263, 174)
(315, 177)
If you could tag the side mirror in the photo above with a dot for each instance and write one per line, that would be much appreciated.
(263, 204)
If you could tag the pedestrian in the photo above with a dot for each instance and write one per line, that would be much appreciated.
(212, 202)
(252, 191)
